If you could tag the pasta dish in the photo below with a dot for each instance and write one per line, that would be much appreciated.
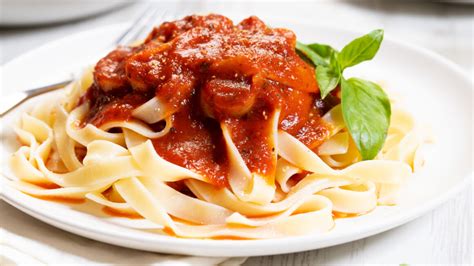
(208, 129)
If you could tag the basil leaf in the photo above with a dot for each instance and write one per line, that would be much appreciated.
(323, 50)
(328, 76)
(327, 80)
(361, 49)
(327, 67)
(316, 59)
(366, 111)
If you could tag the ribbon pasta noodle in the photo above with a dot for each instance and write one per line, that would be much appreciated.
(117, 164)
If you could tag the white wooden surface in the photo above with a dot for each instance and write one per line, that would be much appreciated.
(442, 236)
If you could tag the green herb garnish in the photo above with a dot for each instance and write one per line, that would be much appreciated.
(365, 106)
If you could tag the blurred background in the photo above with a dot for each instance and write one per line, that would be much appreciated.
(445, 27)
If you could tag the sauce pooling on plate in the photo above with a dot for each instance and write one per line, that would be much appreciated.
(208, 73)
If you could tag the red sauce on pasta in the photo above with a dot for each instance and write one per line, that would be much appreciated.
(195, 142)
(111, 106)
(208, 72)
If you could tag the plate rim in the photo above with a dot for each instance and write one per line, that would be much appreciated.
(219, 247)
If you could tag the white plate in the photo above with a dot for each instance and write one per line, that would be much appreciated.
(39, 12)
(434, 89)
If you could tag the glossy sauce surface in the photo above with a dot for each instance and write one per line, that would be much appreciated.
(107, 107)
(208, 72)
(195, 142)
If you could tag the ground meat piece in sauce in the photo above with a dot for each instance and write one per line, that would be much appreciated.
(109, 72)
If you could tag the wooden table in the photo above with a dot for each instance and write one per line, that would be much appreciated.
(441, 236)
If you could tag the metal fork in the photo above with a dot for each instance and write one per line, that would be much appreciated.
(132, 33)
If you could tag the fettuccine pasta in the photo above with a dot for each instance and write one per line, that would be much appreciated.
(71, 148)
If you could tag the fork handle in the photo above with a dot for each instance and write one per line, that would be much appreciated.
(12, 100)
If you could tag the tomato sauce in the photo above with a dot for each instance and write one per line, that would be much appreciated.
(252, 137)
(196, 143)
(108, 107)
(207, 71)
